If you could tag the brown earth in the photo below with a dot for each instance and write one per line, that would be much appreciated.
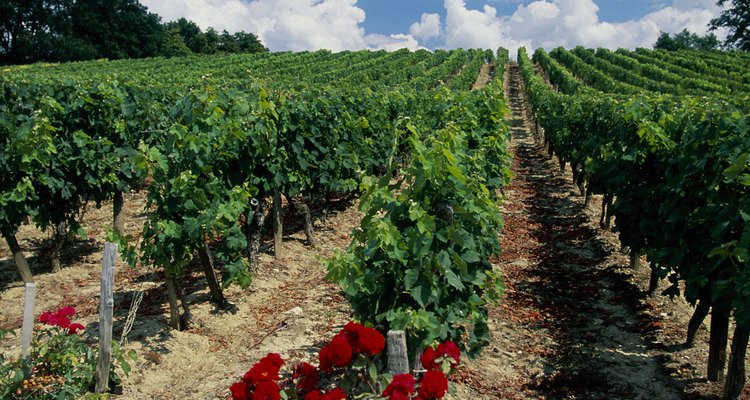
(574, 322)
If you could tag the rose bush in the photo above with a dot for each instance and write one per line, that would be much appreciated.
(349, 365)
(61, 363)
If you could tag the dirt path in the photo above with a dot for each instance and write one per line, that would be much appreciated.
(484, 77)
(565, 328)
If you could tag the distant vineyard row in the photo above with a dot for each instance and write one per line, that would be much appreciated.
(665, 138)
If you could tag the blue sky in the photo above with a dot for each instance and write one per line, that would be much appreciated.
(392, 24)
(382, 19)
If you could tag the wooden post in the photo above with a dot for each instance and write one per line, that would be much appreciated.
(278, 226)
(28, 318)
(106, 304)
(398, 359)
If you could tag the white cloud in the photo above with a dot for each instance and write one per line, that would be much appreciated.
(308, 24)
(337, 24)
(391, 42)
(429, 27)
(472, 28)
(281, 25)
(568, 23)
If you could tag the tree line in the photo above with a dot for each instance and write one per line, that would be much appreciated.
(75, 30)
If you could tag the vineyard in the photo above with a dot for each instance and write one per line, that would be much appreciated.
(261, 201)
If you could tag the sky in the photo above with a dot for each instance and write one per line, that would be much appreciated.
(447, 24)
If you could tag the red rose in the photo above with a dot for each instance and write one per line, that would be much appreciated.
(428, 358)
(66, 311)
(239, 391)
(75, 328)
(400, 387)
(399, 396)
(370, 342)
(337, 354)
(363, 339)
(306, 376)
(266, 390)
(56, 318)
(59, 320)
(335, 394)
(45, 317)
(314, 395)
(324, 359)
(433, 385)
(449, 349)
(265, 370)
(273, 359)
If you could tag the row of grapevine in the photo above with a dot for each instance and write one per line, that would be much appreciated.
(687, 69)
(216, 137)
(419, 261)
(676, 170)
(653, 71)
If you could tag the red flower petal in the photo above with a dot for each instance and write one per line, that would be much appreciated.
(306, 376)
(433, 385)
(402, 385)
(314, 395)
(449, 349)
(45, 317)
(338, 353)
(239, 391)
(266, 391)
(75, 328)
(66, 311)
(335, 394)
(428, 358)
(370, 341)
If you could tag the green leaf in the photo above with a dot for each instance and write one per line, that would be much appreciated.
(422, 292)
(731, 173)
(410, 277)
(454, 280)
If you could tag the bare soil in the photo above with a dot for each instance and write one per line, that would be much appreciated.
(575, 322)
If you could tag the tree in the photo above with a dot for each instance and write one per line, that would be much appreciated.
(118, 28)
(227, 44)
(736, 19)
(174, 44)
(190, 31)
(31, 30)
(249, 43)
(209, 42)
(686, 40)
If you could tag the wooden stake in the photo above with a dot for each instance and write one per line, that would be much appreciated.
(398, 359)
(106, 305)
(28, 318)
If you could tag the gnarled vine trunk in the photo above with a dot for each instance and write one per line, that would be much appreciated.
(21, 263)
